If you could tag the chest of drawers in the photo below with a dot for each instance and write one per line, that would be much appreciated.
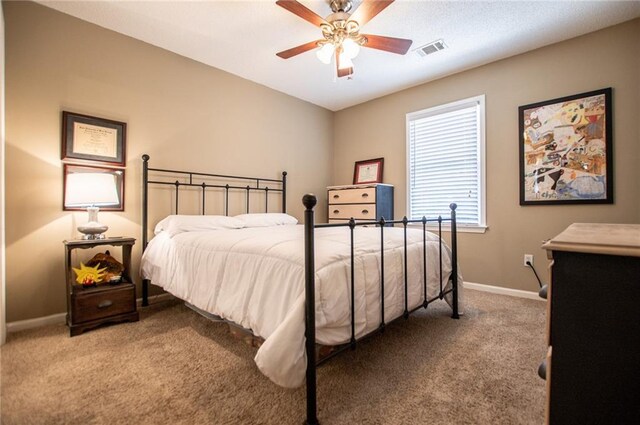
(362, 202)
(592, 365)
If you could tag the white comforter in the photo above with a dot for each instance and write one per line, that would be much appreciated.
(255, 278)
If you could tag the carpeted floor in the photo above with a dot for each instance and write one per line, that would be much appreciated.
(177, 367)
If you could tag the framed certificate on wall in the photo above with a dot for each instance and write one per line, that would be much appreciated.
(90, 138)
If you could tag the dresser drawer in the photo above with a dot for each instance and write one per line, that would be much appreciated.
(91, 305)
(357, 211)
(352, 196)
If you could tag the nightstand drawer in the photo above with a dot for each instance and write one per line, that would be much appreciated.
(359, 211)
(352, 196)
(97, 303)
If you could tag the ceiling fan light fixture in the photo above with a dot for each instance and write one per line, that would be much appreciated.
(341, 39)
(350, 48)
(344, 61)
(325, 53)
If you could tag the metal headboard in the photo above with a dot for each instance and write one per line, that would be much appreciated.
(196, 179)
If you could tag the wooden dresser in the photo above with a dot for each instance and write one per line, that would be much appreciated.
(362, 202)
(593, 319)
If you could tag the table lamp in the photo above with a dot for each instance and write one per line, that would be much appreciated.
(91, 190)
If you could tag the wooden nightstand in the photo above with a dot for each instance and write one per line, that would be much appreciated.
(90, 307)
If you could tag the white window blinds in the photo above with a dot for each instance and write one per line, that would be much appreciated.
(446, 148)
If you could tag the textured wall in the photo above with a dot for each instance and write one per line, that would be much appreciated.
(607, 58)
(181, 112)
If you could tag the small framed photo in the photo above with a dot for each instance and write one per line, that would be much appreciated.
(368, 171)
(88, 138)
(85, 186)
(566, 152)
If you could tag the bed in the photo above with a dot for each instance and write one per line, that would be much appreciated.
(293, 285)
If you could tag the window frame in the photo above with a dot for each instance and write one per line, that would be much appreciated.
(479, 101)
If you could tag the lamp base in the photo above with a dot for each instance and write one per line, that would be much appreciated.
(90, 237)
(93, 229)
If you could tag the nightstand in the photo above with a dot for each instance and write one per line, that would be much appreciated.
(90, 307)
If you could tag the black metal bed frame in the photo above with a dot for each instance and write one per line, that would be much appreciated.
(310, 202)
(190, 175)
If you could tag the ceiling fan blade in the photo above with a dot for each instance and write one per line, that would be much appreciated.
(286, 54)
(388, 44)
(368, 9)
(302, 11)
(344, 72)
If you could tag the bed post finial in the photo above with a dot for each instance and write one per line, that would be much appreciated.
(145, 157)
(309, 200)
(454, 260)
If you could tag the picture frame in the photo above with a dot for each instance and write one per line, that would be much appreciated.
(118, 175)
(88, 138)
(368, 171)
(566, 150)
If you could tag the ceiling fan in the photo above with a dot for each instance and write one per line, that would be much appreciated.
(341, 33)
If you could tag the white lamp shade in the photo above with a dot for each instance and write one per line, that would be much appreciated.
(91, 189)
(325, 53)
(345, 61)
(350, 48)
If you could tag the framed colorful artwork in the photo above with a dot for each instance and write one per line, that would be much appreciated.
(368, 171)
(566, 150)
(88, 138)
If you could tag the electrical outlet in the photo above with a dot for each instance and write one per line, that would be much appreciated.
(528, 258)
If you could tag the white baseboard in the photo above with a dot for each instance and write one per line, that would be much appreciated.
(503, 291)
(20, 325)
(55, 319)
(156, 298)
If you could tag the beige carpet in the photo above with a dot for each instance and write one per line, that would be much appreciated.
(177, 367)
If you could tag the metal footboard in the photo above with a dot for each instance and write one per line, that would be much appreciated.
(309, 202)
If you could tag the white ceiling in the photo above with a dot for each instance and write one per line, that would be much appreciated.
(242, 37)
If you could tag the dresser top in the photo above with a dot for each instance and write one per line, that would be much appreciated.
(598, 238)
(357, 186)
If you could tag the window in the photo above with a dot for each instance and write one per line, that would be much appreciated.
(445, 163)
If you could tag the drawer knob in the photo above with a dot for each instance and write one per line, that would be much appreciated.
(336, 211)
(105, 304)
(365, 212)
(336, 196)
(542, 370)
(365, 195)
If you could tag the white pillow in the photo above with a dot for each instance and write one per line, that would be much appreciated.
(175, 224)
(266, 219)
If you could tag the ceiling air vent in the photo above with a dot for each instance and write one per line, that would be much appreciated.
(429, 48)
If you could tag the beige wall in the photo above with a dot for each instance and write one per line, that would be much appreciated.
(187, 115)
(606, 58)
(183, 113)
